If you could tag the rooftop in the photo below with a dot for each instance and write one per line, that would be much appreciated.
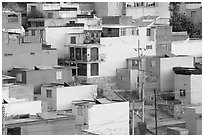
(42, 67)
(187, 71)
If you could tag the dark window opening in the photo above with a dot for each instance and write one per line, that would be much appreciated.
(182, 92)
(50, 15)
(14, 131)
(78, 54)
(94, 69)
(84, 52)
(32, 32)
(148, 31)
(49, 93)
(82, 69)
(33, 8)
(72, 53)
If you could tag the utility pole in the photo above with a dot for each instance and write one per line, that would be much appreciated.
(3, 121)
(155, 101)
(133, 117)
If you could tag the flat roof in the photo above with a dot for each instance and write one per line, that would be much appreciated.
(4, 77)
(118, 26)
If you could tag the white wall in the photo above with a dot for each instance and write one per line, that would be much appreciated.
(66, 95)
(187, 47)
(5, 92)
(117, 50)
(24, 107)
(196, 89)
(114, 9)
(182, 82)
(166, 70)
(109, 119)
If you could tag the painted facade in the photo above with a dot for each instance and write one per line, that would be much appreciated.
(113, 116)
(60, 97)
(42, 74)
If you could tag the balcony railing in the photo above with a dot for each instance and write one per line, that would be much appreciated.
(85, 58)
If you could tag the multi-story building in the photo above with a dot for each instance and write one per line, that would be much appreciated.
(134, 9)
(19, 50)
(156, 72)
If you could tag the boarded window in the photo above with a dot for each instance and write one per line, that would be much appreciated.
(49, 93)
(94, 69)
(19, 77)
(59, 75)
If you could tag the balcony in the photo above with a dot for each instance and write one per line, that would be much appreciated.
(88, 59)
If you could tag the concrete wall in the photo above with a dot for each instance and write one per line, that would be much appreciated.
(196, 89)
(166, 70)
(193, 120)
(52, 127)
(21, 92)
(184, 47)
(183, 82)
(101, 9)
(161, 9)
(23, 107)
(66, 95)
(109, 119)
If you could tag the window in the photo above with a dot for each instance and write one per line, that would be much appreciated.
(152, 63)
(8, 54)
(133, 31)
(135, 63)
(123, 78)
(73, 39)
(148, 46)
(78, 53)
(148, 31)
(33, 8)
(137, 32)
(41, 33)
(182, 92)
(32, 32)
(50, 15)
(19, 77)
(49, 93)
(80, 111)
(82, 69)
(123, 31)
(94, 69)
(193, 14)
(12, 18)
(59, 75)
(71, 50)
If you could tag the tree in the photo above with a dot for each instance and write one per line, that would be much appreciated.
(180, 22)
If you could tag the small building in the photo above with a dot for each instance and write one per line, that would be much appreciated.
(41, 124)
(102, 117)
(188, 85)
(193, 119)
(39, 75)
(8, 79)
(158, 71)
(60, 96)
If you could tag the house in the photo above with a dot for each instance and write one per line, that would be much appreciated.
(60, 96)
(7, 79)
(39, 75)
(188, 85)
(193, 119)
(103, 118)
(19, 50)
(134, 9)
(18, 91)
(41, 124)
(158, 72)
